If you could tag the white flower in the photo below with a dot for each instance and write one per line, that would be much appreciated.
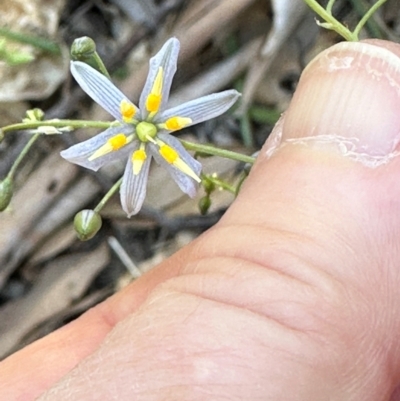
(144, 131)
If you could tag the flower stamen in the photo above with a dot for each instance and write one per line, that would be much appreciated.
(153, 100)
(171, 156)
(114, 143)
(177, 123)
(128, 111)
(168, 153)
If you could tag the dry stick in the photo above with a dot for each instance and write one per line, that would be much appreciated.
(276, 38)
(41, 212)
(63, 280)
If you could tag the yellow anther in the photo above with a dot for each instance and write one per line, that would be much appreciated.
(172, 157)
(117, 141)
(153, 103)
(169, 154)
(128, 110)
(153, 100)
(114, 143)
(138, 158)
(177, 123)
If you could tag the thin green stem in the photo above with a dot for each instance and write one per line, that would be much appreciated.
(211, 150)
(246, 131)
(334, 24)
(101, 67)
(367, 16)
(21, 156)
(108, 195)
(222, 184)
(59, 124)
(374, 29)
(330, 6)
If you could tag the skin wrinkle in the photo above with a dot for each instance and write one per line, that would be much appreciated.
(180, 284)
(194, 315)
(269, 252)
(302, 317)
(230, 267)
(331, 289)
(283, 322)
(191, 383)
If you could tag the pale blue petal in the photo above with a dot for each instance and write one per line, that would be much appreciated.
(79, 153)
(203, 108)
(167, 59)
(99, 88)
(185, 183)
(133, 187)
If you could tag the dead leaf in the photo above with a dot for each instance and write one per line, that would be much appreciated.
(62, 281)
(40, 77)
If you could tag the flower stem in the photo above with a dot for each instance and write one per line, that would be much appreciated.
(211, 150)
(221, 184)
(367, 16)
(20, 157)
(330, 6)
(101, 67)
(333, 23)
(108, 195)
(58, 124)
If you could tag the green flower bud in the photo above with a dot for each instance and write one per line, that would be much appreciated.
(82, 48)
(204, 204)
(6, 193)
(87, 223)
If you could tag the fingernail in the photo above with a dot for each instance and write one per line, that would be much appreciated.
(349, 94)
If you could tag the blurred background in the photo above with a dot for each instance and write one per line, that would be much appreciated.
(259, 47)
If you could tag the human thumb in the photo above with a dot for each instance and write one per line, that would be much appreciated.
(326, 187)
(294, 293)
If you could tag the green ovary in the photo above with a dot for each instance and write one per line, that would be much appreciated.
(146, 131)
